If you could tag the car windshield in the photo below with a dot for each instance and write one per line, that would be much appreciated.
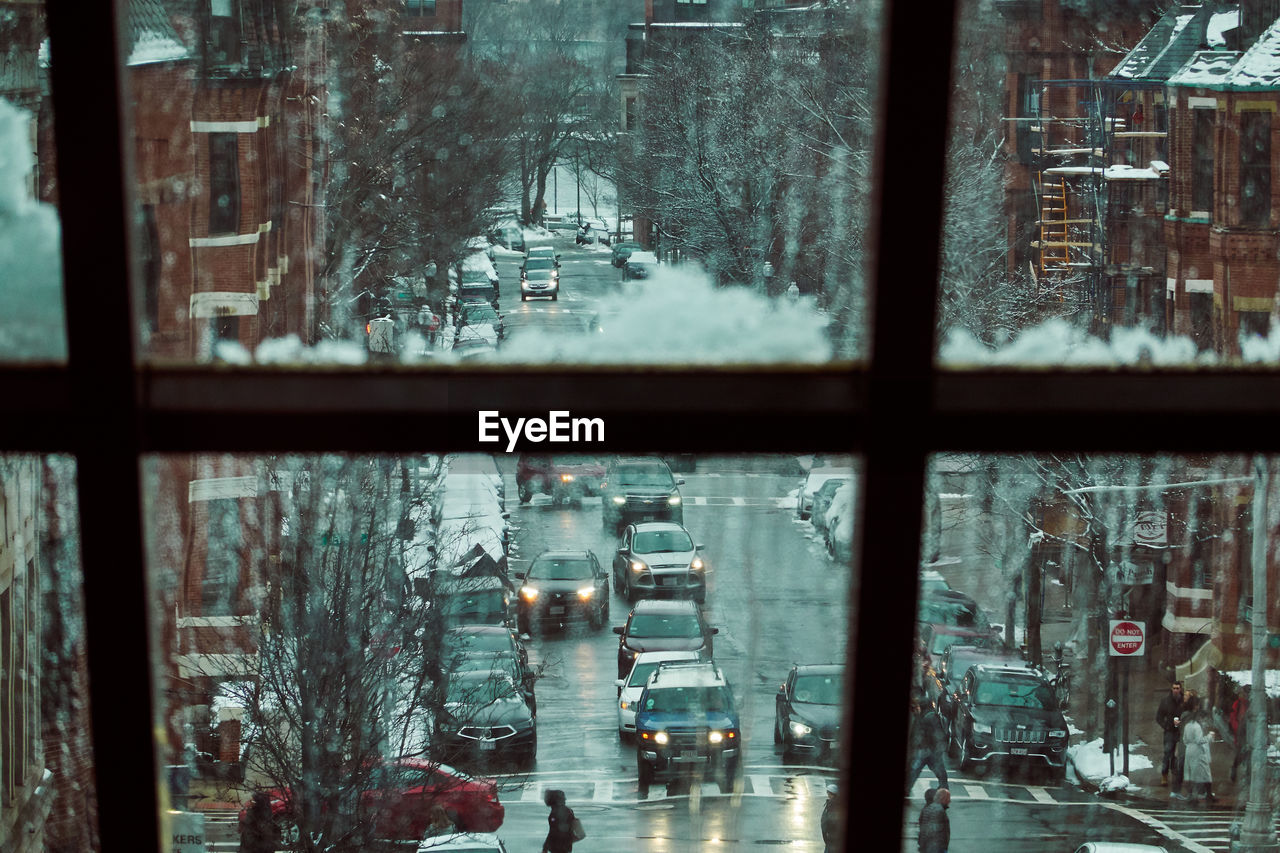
(688, 699)
(480, 688)
(664, 625)
(473, 313)
(661, 541)
(943, 640)
(486, 641)
(560, 569)
(573, 460)
(818, 689)
(475, 603)
(959, 613)
(539, 264)
(645, 475)
(1016, 693)
(502, 661)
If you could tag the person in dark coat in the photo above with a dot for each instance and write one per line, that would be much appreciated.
(560, 824)
(1169, 717)
(928, 744)
(935, 826)
(831, 819)
(258, 833)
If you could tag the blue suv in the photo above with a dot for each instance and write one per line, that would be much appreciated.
(687, 725)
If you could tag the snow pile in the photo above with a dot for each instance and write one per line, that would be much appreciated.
(1057, 343)
(32, 327)
(679, 317)
(290, 350)
(1091, 763)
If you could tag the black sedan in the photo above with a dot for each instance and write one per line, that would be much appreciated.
(485, 717)
(808, 710)
(561, 586)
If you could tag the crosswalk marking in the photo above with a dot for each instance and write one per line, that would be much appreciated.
(699, 501)
(817, 785)
(760, 783)
(976, 792)
(603, 792)
(1040, 795)
(739, 501)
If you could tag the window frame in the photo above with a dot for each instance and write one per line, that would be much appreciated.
(895, 410)
(1254, 209)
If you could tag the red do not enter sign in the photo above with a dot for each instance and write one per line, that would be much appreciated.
(1128, 638)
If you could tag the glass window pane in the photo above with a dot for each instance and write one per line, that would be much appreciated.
(32, 323)
(1090, 190)
(329, 659)
(47, 787)
(295, 209)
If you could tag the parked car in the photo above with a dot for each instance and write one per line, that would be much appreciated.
(468, 640)
(507, 662)
(812, 482)
(561, 586)
(398, 798)
(808, 709)
(1009, 713)
(822, 502)
(630, 688)
(687, 724)
(955, 662)
(462, 842)
(483, 245)
(474, 340)
(485, 716)
(539, 277)
(481, 313)
(567, 477)
(484, 600)
(592, 231)
(639, 264)
(838, 526)
(638, 489)
(938, 638)
(951, 607)
(662, 625)
(622, 251)
(659, 558)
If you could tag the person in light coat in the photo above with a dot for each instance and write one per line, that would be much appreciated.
(1197, 773)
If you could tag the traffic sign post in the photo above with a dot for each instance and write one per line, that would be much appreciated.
(1127, 639)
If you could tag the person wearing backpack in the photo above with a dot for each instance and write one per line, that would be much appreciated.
(561, 823)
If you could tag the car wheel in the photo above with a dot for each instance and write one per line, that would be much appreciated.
(524, 297)
(555, 297)
(631, 593)
(700, 597)
(526, 492)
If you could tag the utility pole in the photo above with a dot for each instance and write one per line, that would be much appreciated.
(1257, 832)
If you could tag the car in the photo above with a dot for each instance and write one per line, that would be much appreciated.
(507, 662)
(951, 607)
(629, 688)
(822, 502)
(539, 277)
(399, 796)
(484, 600)
(638, 489)
(484, 715)
(462, 842)
(808, 709)
(1009, 713)
(622, 250)
(561, 586)
(938, 638)
(477, 280)
(472, 639)
(592, 231)
(541, 252)
(1118, 847)
(481, 313)
(639, 264)
(955, 662)
(812, 482)
(567, 477)
(838, 527)
(474, 340)
(483, 245)
(687, 724)
(659, 558)
(662, 625)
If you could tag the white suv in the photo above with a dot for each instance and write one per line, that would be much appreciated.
(630, 688)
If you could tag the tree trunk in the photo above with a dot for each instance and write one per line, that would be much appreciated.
(1033, 572)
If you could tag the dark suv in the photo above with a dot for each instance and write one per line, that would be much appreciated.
(639, 489)
(687, 723)
(659, 558)
(1008, 712)
(561, 586)
(662, 625)
(566, 477)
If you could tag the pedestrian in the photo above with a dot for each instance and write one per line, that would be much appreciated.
(831, 820)
(928, 744)
(258, 831)
(559, 823)
(1238, 722)
(1197, 772)
(935, 826)
(1168, 717)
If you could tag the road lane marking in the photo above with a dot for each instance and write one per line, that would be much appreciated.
(603, 792)
(1040, 795)
(817, 785)
(1159, 826)
(699, 501)
(760, 783)
(739, 501)
(976, 792)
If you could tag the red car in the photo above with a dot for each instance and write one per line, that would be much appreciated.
(566, 477)
(401, 807)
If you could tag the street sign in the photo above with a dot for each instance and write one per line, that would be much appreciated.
(1128, 639)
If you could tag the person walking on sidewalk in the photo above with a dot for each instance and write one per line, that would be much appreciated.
(928, 744)
(1238, 721)
(935, 826)
(1168, 717)
(1197, 772)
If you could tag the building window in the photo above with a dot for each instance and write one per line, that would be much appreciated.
(629, 118)
(1202, 159)
(1028, 107)
(691, 10)
(221, 578)
(224, 183)
(420, 8)
(1255, 168)
(1255, 323)
(224, 33)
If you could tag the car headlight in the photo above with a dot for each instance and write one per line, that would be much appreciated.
(619, 500)
(528, 593)
(697, 563)
(674, 500)
(715, 737)
(624, 704)
(981, 729)
(1057, 733)
(637, 566)
(586, 592)
(799, 729)
(566, 478)
(660, 738)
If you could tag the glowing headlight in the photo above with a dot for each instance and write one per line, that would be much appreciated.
(619, 500)
(586, 592)
(638, 566)
(981, 729)
(660, 738)
(528, 593)
(673, 500)
(715, 737)
(799, 729)
(697, 563)
(624, 704)
(566, 478)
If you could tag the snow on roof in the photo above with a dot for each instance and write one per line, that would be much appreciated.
(1056, 343)
(1121, 172)
(1074, 170)
(1206, 68)
(1219, 24)
(152, 35)
(1166, 45)
(1259, 68)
